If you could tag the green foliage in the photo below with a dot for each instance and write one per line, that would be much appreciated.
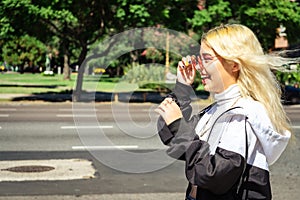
(262, 16)
(77, 24)
(291, 76)
(216, 13)
(154, 54)
(140, 12)
(73, 27)
(142, 74)
(133, 13)
(145, 13)
(267, 15)
(24, 49)
(5, 28)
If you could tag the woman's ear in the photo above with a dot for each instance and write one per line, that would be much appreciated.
(235, 67)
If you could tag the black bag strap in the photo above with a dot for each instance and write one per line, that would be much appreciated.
(245, 162)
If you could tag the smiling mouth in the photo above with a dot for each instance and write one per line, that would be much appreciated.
(203, 79)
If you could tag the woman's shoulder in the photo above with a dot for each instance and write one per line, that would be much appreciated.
(251, 105)
(254, 110)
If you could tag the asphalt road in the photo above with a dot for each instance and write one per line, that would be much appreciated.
(137, 169)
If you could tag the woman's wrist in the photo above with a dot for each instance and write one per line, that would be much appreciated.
(182, 90)
(183, 82)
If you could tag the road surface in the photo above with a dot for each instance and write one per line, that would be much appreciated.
(43, 133)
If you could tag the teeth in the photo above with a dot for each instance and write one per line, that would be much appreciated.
(204, 76)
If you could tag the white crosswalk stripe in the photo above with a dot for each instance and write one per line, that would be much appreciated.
(86, 127)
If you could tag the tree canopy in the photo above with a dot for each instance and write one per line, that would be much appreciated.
(73, 27)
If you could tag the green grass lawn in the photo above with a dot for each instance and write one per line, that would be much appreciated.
(15, 83)
(12, 83)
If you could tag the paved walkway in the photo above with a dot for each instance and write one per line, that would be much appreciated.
(147, 196)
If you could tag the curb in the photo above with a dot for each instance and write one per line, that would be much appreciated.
(132, 97)
(144, 196)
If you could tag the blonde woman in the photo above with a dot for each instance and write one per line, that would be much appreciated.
(229, 145)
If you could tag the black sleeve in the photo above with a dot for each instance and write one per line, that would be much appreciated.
(181, 95)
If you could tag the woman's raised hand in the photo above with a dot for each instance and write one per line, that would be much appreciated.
(186, 70)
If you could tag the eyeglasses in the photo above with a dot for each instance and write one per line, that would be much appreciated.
(206, 62)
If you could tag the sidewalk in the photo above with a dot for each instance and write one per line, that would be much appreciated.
(147, 196)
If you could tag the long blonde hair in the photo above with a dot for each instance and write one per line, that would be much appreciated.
(239, 44)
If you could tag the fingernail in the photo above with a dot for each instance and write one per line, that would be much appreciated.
(186, 63)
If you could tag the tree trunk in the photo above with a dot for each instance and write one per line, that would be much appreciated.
(81, 64)
(78, 89)
(66, 67)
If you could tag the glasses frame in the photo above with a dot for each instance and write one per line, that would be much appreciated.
(207, 62)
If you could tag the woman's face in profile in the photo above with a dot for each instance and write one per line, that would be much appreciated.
(216, 74)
